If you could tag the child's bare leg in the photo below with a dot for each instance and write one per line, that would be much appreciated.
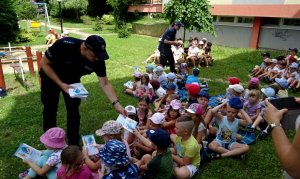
(214, 146)
(236, 149)
(298, 85)
(194, 61)
(182, 172)
(144, 161)
(129, 91)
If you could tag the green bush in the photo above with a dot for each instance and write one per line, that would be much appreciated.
(123, 32)
(24, 36)
(87, 20)
(97, 24)
(107, 19)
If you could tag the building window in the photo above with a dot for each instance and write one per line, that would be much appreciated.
(226, 19)
(214, 18)
(293, 22)
(245, 20)
(271, 21)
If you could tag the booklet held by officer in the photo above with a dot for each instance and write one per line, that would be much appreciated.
(127, 123)
(89, 143)
(27, 152)
(78, 91)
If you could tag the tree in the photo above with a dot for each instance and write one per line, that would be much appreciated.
(98, 8)
(25, 9)
(9, 21)
(78, 6)
(119, 12)
(192, 13)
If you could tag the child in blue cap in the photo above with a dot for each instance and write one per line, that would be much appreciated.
(225, 143)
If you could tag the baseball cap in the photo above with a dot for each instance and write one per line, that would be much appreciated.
(201, 42)
(193, 89)
(233, 80)
(237, 88)
(109, 127)
(150, 67)
(171, 76)
(254, 81)
(159, 137)
(137, 74)
(268, 92)
(273, 60)
(65, 33)
(158, 68)
(98, 46)
(266, 54)
(178, 23)
(294, 49)
(158, 118)
(196, 71)
(205, 39)
(175, 104)
(52, 31)
(283, 83)
(195, 108)
(294, 65)
(236, 103)
(130, 110)
(203, 94)
(171, 86)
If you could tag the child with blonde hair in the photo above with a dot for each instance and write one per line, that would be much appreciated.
(54, 140)
(252, 106)
(73, 166)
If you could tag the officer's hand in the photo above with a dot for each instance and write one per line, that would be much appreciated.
(65, 87)
(119, 108)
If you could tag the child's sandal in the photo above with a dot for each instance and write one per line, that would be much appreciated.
(215, 156)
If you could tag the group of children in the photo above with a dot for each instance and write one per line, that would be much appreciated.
(53, 36)
(169, 141)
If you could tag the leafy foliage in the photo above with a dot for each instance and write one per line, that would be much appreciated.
(98, 8)
(8, 21)
(192, 13)
(24, 36)
(107, 19)
(25, 9)
(97, 24)
(78, 6)
(123, 32)
(119, 12)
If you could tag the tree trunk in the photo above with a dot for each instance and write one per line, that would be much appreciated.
(183, 39)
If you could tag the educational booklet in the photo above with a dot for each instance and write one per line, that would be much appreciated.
(27, 152)
(127, 123)
(78, 91)
(89, 143)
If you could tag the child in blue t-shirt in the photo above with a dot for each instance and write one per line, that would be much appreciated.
(226, 141)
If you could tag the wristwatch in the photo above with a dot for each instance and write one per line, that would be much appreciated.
(273, 125)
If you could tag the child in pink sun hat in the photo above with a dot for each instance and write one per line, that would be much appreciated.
(47, 164)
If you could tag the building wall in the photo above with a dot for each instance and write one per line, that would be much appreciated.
(279, 38)
(259, 2)
(227, 35)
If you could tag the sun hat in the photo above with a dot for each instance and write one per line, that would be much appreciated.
(114, 153)
(171, 76)
(54, 138)
(236, 103)
(205, 39)
(193, 89)
(109, 127)
(196, 71)
(294, 49)
(159, 137)
(171, 86)
(195, 108)
(158, 68)
(268, 92)
(158, 118)
(266, 54)
(283, 83)
(254, 81)
(130, 110)
(273, 60)
(294, 65)
(175, 104)
(150, 67)
(65, 33)
(201, 42)
(98, 46)
(203, 94)
(137, 74)
(237, 88)
(233, 80)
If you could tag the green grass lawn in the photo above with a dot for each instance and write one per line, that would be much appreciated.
(21, 110)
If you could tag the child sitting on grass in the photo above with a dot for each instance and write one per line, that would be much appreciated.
(143, 113)
(252, 106)
(187, 149)
(166, 99)
(253, 84)
(171, 115)
(159, 92)
(160, 164)
(73, 164)
(149, 71)
(54, 140)
(257, 70)
(225, 143)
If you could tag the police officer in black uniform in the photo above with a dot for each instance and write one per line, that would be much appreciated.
(168, 39)
(64, 63)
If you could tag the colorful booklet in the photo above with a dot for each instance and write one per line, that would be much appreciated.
(89, 143)
(78, 91)
(27, 152)
(127, 123)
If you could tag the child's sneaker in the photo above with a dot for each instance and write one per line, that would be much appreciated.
(205, 84)
(23, 174)
(263, 135)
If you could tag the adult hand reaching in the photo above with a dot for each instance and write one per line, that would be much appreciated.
(119, 108)
(273, 115)
(65, 87)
